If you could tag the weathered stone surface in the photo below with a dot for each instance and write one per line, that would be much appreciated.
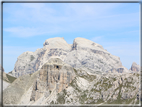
(135, 67)
(14, 93)
(45, 87)
(81, 73)
(7, 79)
(57, 43)
(82, 53)
(54, 73)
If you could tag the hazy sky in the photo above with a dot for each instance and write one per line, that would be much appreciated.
(115, 26)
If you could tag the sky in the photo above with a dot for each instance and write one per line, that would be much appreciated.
(115, 26)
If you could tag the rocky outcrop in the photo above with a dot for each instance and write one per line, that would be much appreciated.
(81, 73)
(135, 67)
(29, 62)
(53, 77)
(86, 53)
(5, 79)
(110, 88)
(54, 73)
(18, 89)
(82, 53)
(59, 83)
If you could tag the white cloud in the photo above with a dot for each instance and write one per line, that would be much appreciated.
(97, 38)
(37, 19)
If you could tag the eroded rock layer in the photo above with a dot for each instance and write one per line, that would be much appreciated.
(82, 53)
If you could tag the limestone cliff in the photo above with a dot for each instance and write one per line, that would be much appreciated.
(54, 73)
(82, 53)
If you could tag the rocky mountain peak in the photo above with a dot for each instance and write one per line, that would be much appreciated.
(135, 67)
(57, 42)
(82, 53)
(85, 43)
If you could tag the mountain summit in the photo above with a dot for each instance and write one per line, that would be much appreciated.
(82, 53)
(81, 73)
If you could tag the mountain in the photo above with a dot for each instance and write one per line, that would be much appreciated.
(135, 67)
(82, 53)
(81, 73)
(59, 83)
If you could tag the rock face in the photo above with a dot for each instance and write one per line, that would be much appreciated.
(110, 88)
(81, 73)
(82, 53)
(135, 67)
(2, 71)
(54, 75)
(14, 93)
(82, 87)
(6, 79)
(52, 78)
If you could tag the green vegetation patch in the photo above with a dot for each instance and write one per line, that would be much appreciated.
(88, 77)
(99, 101)
(10, 78)
(75, 71)
(83, 97)
(61, 97)
(94, 90)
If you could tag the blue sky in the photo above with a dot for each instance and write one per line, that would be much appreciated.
(115, 26)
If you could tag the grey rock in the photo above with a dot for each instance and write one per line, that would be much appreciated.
(82, 53)
(54, 73)
(135, 67)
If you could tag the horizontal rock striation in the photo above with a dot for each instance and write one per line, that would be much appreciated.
(82, 53)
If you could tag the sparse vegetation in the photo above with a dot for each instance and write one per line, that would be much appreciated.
(89, 77)
(74, 85)
(82, 98)
(61, 97)
(10, 78)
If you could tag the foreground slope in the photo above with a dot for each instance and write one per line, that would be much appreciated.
(59, 83)
(5, 79)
